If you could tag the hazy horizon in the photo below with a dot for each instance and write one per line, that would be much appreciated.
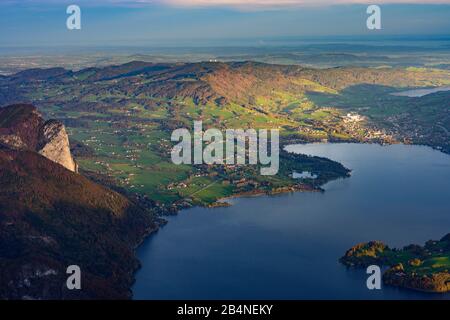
(193, 23)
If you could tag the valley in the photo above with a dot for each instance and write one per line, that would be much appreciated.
(120, 119)
(176, 151)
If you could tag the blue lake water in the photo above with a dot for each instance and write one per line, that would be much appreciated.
(417, 93)
(288, 246)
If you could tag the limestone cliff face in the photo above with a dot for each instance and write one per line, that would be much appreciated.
(23, 128)
(54, 145)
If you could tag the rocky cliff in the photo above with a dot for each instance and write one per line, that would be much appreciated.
(22, 127)
(54, 144)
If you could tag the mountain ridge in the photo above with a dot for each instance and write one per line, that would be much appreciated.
(51, 218)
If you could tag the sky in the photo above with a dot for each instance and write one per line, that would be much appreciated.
(196, 22)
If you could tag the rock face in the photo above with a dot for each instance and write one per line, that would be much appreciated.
(54, 145)
(23, 128)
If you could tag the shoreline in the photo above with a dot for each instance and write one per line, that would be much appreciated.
(261, 193)
(161, 222)
(222, 202)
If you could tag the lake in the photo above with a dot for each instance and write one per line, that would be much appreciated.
(417, 93)
(288, 246)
